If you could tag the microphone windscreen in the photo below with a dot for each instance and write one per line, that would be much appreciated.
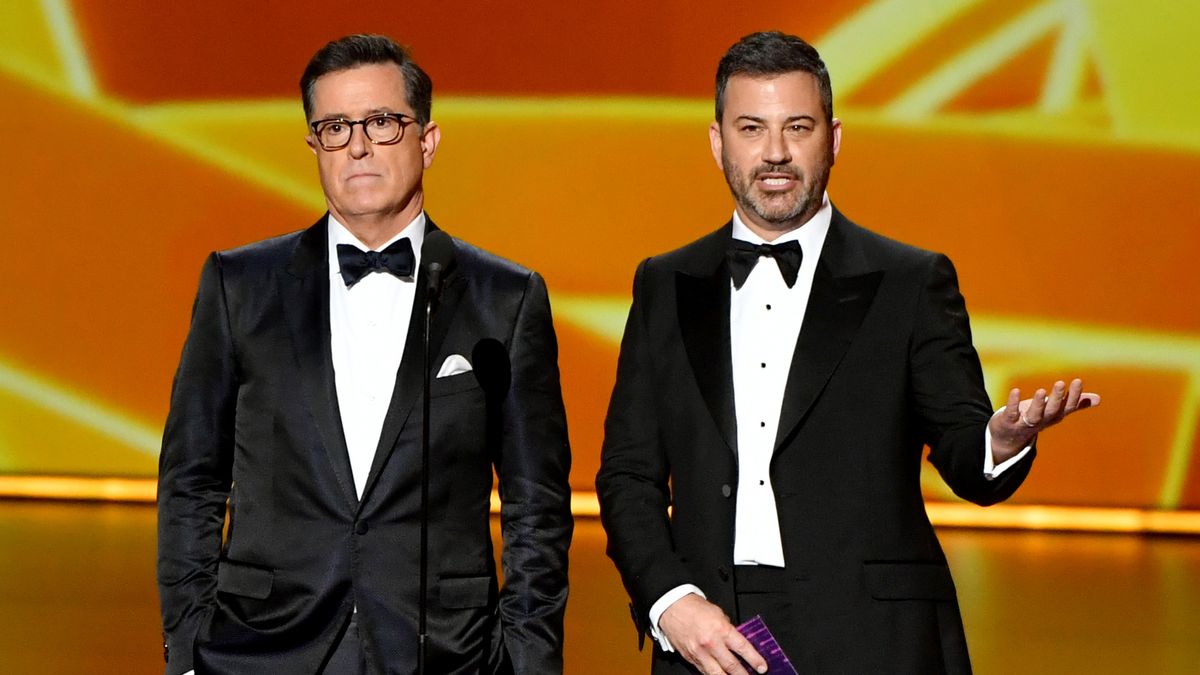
(437, 249)
(489, 360)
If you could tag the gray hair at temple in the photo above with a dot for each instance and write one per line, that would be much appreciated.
(773, 53)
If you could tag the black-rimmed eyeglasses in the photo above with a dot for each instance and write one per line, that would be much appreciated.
(381, 129)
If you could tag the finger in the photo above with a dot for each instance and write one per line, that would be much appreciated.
(747, 651)
(1073, 395)
(1032, 410)
(708, 664)
(704, 663)
(1054, 403)
(1012, 409)
(1088, 400)
(732, 666)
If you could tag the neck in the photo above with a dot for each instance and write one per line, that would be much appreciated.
(770, 231)
(375, 229)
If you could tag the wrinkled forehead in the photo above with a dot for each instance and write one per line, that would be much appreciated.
(784, 95)
(360, 90)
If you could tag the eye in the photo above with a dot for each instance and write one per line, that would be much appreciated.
(381, 122)
(334, 128)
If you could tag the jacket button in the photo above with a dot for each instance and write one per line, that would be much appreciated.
(361, 527)
(726, 490)
(723, 572)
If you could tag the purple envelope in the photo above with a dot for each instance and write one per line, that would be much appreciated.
(756, 631)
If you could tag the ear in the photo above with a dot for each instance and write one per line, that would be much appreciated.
(430, 138)
(311, 141)
(836, 128)
(714, 140)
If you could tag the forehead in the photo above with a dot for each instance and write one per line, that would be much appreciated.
(789, 94)
(363, 89)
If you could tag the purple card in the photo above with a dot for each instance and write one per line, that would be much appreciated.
(756, 631)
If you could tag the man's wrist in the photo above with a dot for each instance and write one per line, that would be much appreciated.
(662, 605)
(991, 468)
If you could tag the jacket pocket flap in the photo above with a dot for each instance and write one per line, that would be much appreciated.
(909, 581)
(453, 384)
(464, 592)
(240, 579)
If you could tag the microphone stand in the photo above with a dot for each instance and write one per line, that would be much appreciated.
(431, 293)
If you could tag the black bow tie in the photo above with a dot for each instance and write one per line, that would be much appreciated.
(356, 263)
(743, 256)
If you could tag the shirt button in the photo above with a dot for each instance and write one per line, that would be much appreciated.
(764, 365)
(762, 424)
(768, 308)
(762, 482)
(726, 490)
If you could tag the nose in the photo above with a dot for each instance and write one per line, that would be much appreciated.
(360, 145)
(777, 150)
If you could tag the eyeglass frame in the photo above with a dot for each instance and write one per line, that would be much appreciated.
(401, 118)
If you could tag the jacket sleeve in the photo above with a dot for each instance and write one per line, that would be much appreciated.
(949, 394)
(633, 481)
(535, 494)
(194, 470)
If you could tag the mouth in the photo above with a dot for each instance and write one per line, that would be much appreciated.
(776, 181)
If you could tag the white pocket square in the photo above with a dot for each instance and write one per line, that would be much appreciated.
(454, 365)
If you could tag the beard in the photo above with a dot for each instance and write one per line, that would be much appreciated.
(785, 209)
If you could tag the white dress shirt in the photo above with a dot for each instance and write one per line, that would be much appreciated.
(765, 318)
(368, 326)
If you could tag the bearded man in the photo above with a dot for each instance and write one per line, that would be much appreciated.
(777, 384)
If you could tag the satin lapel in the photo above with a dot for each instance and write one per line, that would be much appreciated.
(406, 395)
(702, 295)
(304, 291)
(836, 308)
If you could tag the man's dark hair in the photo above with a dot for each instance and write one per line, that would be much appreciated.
(358, 50)
(773, 53)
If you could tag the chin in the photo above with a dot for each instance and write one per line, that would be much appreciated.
(363, 207)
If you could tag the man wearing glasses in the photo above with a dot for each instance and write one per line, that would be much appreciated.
(297, 409)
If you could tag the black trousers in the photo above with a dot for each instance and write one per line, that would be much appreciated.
(347, 657)
(762, 591)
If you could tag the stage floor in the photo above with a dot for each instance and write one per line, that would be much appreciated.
(77, 595)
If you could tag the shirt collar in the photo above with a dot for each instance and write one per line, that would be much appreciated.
(338, 234)
(811, 234)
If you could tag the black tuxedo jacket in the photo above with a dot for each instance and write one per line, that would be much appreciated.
(254, 424)
(883, 366)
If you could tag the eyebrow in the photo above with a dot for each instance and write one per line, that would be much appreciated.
(793, 118)
(372, 111)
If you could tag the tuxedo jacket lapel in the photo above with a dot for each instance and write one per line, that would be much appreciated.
(842, 291)
(407, 392)
(304, 291)
(702, 296)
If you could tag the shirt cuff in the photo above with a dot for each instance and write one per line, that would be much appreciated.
(990, 470)
(657, 609)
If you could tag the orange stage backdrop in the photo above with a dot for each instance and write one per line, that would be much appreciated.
(1050, 147)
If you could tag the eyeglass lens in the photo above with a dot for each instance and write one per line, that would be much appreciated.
(335, 134)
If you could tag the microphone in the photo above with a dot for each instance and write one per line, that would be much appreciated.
(493, 371)
(437, 255)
